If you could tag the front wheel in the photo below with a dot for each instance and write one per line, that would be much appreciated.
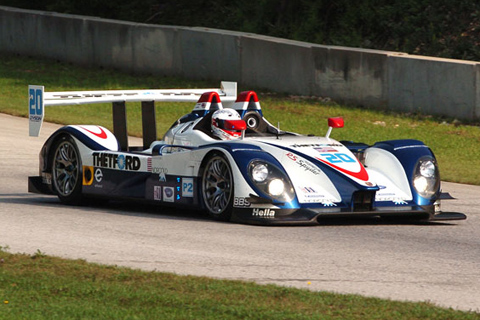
(67, 171)
(217, 187)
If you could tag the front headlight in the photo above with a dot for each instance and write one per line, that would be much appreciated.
(427, 169)
(276, 187)
(259, 172)
(272, 181)
(426, 179)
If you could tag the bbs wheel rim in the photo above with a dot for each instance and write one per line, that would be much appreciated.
(65, 168)
(217, 185)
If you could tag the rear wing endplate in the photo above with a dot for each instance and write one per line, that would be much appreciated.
(38, 99)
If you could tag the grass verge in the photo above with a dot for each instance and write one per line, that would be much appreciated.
(44, 287)
(456, 146)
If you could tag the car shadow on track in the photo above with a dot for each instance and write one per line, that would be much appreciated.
(157, 211)
(372, 221)
(129, 208)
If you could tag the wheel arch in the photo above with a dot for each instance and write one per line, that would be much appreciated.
(67, 131)
(409, 153)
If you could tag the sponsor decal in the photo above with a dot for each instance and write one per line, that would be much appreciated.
(161, 173)
(241, 202)
(291, 156)
(313, 145)
(305, 165)
(168, 194)
(329, 204)
(35, 118)
(314, 197)
(98, 175)
(308, 190)
(157, 193)
(310, 195)
(391, 197)
(87, 175)
(159, 170)
(116, 161)
(179, 189)
(326, 149)
(263, 213)
(178, 192)
(187, 187)
(385, 194)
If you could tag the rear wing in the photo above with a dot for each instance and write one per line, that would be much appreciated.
(38, 99)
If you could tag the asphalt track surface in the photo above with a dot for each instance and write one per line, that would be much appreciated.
(436, 262)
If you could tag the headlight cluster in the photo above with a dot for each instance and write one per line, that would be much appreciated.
(426, 178)
(271, 180)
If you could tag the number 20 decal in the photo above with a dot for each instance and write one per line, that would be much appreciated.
(35, 101)
(337, 157)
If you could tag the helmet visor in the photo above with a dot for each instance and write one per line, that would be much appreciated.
(232, 125)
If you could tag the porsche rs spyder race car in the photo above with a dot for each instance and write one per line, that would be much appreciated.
(227, 159)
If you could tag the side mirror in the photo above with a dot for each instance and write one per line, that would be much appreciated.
(336, 122)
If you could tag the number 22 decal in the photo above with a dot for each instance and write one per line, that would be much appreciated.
(337, 157)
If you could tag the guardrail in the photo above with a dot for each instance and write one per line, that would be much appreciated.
(379, 79)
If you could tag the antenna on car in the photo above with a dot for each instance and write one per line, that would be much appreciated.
(278, 128)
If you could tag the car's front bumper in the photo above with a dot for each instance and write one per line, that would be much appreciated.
(310, 216)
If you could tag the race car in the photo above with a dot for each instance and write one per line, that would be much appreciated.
(227, 159)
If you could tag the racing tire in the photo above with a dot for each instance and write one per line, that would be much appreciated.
(217, 187)
(67, 171)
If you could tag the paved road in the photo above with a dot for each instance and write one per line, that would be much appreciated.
(433, 262)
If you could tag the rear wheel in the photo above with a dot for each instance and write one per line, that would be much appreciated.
(67, 171)
(217, 187)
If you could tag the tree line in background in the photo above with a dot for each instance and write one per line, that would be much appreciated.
(441, 28)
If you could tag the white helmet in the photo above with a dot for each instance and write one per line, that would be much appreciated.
(227, 124)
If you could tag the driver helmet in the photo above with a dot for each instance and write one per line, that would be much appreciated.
(227, 124)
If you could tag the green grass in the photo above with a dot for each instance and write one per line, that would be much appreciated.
(456, 146)
(43, 287)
